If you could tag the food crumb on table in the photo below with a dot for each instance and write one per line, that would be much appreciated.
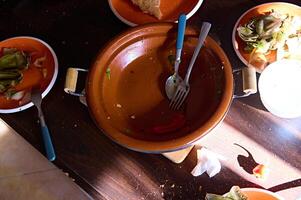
(200, 188)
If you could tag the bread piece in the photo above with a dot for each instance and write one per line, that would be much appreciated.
(149, 6)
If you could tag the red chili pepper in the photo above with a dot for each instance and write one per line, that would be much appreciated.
(176, 123)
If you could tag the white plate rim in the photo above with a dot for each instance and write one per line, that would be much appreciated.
(50, 85)
(234, 43)
(190, 14)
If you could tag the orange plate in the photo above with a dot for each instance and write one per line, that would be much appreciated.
(32, 77)
(131, 14)
(239, 45)
(260, 194)
(129, 101)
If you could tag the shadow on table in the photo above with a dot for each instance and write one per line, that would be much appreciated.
(287, 185)
(248, 163)
(268, 131)
(253, 101)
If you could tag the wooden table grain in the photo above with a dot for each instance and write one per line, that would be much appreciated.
(77, 30)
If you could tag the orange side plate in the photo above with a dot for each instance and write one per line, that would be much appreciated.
(170, 11)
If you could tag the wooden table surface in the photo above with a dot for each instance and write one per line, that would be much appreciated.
(77, 30)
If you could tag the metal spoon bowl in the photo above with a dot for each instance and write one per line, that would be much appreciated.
(174, 80)
(171, 85)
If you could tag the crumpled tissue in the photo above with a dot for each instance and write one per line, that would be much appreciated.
(207, 161)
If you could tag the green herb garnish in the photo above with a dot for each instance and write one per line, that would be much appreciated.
(108, 73)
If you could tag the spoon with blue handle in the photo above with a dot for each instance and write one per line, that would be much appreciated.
(173, 81)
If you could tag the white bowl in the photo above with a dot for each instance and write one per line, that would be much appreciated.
(280, 88)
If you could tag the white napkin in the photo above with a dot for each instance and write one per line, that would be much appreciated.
(207, 162)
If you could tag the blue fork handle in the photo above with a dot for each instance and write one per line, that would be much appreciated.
(181, 31)
(48, 143)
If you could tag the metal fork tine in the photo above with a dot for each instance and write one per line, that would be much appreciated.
(184, 87)
(176, 105)
(177, 98)
(179, 94)
(174, 99)
(182, 100)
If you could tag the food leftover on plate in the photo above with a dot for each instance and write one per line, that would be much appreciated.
(234, 194)
(151, 7)
(272, 31)
(14, 63)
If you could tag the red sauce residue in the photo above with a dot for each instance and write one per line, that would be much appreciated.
(33, 76)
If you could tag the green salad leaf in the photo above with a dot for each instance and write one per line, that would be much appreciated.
(12, 62)
(262, 32)
(16, 60)
(234, 194)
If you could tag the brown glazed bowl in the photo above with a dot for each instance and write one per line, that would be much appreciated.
(125, 89)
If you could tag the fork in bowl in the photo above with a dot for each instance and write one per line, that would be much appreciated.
(184, 87)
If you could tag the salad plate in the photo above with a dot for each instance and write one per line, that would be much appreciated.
(245, 194)
(267, 33)
(131, 15)
(25, 63)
